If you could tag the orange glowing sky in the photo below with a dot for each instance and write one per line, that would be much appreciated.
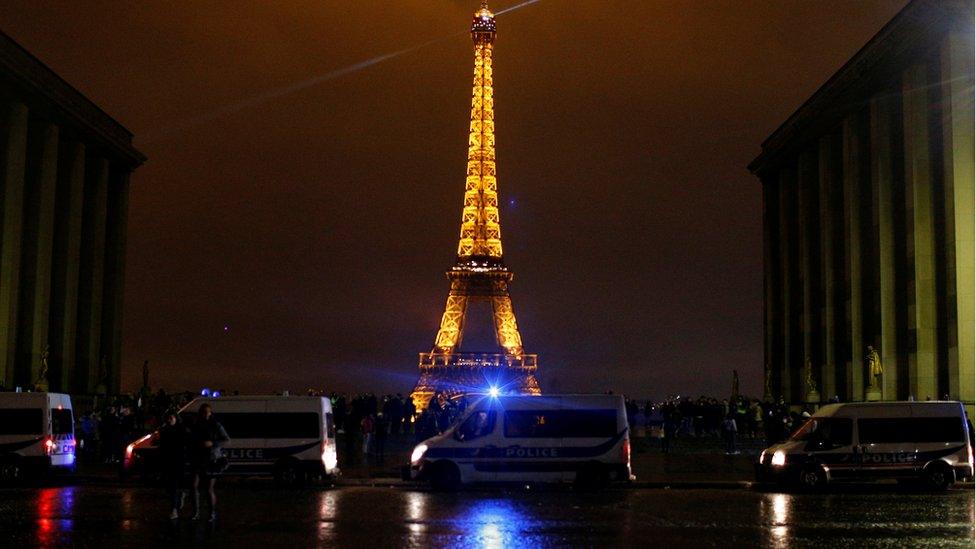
(315, 224)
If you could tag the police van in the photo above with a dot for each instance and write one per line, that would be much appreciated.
(37, 434)
(552, 438)
(906, 441)
(289, 437)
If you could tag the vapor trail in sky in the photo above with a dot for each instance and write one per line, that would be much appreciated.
(515, 7)
(275, 93)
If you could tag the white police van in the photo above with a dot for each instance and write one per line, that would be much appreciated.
(290, 437)
(37, 434)
(551, 438)
(928, 441)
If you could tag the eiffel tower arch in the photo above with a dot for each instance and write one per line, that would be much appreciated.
(479, 273)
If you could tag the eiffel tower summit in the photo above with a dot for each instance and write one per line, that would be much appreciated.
(479, 275)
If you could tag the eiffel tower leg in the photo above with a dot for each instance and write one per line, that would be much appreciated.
(423, 392)
(452, 323)
(506, 328)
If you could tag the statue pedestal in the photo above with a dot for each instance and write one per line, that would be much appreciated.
(41, 386)
(872, 394)
(813, 397)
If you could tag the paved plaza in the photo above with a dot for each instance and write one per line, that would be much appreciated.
(253, 513)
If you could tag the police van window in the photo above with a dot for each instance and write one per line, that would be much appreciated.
(62, 423)
(938, 429)
(270, 425)
(477, 425)
(560, 423)
(885, 430)
(21, 421)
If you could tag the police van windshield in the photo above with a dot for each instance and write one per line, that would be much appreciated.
(478, 424)
(829, 431)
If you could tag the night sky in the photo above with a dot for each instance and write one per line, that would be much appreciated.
(294, 220)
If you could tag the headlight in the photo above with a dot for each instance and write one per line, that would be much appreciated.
(418, 453)
(779, 458)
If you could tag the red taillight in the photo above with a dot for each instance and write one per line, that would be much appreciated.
(625, 451)
(128, 454)
(49, 446)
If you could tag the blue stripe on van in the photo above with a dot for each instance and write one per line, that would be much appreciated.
(874, 459)
(526, 452)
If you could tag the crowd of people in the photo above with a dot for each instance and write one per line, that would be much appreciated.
(103, 431)
(374, 419)
(731, 419)
(190, 451)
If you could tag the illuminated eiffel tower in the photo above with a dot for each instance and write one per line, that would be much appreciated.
(479, 274)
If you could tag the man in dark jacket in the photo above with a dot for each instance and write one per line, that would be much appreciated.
(207, 437)
(172, 460)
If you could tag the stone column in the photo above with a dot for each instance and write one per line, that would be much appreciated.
(883, 182)
(922, 316)
(957, 139)
(92, 277)
(13, 152)
(853, 166)
(43, 179)
(64, 309)
(827, 181)
(115, 277)
(787, 179)
(807, 213)
(770, 321)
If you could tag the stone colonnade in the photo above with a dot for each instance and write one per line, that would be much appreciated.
(63, 206)
(869, 241)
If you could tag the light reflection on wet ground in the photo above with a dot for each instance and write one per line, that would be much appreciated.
(255, 514)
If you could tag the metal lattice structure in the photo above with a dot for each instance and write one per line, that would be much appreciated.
(479, 272)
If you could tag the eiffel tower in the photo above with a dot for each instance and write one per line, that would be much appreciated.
(479, 274)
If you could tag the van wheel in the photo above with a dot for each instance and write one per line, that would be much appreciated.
(287, 473)
(11, 470)
(938, 476)
(591, 477)
(445, 477)
(813, 478)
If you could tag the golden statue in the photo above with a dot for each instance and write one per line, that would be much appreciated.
(768, 385)
(101, 384)
(808, 376)
(874, 366)
(41, 383)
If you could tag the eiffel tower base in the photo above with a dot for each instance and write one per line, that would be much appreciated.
(457, 381)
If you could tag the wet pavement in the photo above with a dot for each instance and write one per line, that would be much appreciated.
(254, 513)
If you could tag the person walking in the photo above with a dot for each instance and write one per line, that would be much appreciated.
(380, 427)
(729, 430)
(367, 426)
(207, 436)
(172, 455)
(110, 428)
(672, 419)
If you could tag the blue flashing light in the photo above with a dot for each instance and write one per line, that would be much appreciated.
(205, 392)
(216, 394)
(493, 391)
